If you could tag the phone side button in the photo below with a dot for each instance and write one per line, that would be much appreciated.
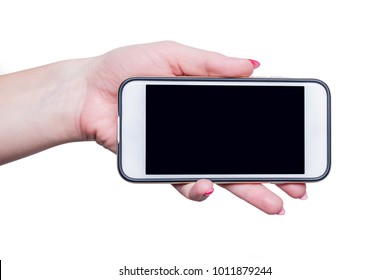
(118, 129)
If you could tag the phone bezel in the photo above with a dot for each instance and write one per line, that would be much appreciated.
(131, 141)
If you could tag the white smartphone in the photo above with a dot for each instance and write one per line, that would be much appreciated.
(226, 130)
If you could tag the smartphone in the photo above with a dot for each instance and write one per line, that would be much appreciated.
(226, 130)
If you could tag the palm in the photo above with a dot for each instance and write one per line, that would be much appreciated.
(99, 115)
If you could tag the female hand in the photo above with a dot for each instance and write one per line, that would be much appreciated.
(170, 59)
(76, 100)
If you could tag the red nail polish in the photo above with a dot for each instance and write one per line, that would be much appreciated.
(209, 192)
(255, 63)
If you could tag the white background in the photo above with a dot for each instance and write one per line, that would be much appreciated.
(66, 213)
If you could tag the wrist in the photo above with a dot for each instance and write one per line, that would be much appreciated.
(69, 95)
(39, 108)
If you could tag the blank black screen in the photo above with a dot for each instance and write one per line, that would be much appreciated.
(202, 129)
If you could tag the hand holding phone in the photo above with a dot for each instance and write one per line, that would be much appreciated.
(90, 110)
(99, 116)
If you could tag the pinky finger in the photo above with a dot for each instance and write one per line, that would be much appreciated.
(198, 191)
(295, 190)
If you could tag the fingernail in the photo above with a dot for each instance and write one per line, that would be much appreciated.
(208, 193)
(255, 63)
(282, 212)
(304, 197)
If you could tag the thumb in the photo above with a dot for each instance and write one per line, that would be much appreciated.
(196, 62)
